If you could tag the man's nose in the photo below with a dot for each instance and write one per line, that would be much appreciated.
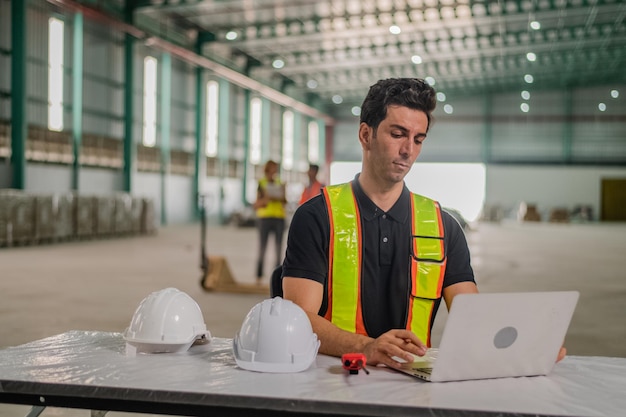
(407, 148)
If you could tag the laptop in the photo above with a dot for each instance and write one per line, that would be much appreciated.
(497, 335)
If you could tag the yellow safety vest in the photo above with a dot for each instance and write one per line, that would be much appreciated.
(273, 209)
(427, 257)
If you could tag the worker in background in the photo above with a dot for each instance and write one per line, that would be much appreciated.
(314, 187)
(270, 212)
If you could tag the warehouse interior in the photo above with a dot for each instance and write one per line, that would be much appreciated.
(129, 127)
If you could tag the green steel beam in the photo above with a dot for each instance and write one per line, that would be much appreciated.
(223, 126)
(129, 143)
(77, 97)
(165, 5)
(266, 129)
(166, 97)
(246, 146)
(199, 155)
(206, 37)
(223, 120)
(18, 94)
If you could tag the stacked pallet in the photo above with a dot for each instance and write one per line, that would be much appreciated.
(31, 219)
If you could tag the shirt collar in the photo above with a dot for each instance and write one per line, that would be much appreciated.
(399, 211)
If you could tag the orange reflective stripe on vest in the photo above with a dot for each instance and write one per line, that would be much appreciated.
(345, 256)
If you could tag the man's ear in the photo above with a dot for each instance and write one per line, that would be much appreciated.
(365, 135)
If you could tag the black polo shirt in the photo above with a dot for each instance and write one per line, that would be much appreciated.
(385, 287)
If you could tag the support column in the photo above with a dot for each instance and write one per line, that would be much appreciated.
(199, 156)
(246, 146)
(223, 135)
(199, 163)
(129, 143)
(250, 63)
(166, 95)
(266, 129)
(77, 98)
(18, 94)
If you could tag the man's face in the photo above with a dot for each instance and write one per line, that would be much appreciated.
(395, 145)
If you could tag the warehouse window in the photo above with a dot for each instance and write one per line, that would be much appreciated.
(55, 74)
(255, 130)
(212, 94)
(149, 101)
(288, 139)
(314, 142)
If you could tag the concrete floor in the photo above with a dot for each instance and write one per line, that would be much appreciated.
(96, 285)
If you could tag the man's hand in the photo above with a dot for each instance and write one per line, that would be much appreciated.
(399, 343)
(562, 354)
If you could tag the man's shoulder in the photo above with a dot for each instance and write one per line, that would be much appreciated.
(313, 207)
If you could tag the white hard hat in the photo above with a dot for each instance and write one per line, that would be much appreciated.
(276, 336)
(168, 320)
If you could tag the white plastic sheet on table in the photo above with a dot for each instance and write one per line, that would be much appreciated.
(93, 366)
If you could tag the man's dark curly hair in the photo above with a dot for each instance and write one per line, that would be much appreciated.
(413, 93)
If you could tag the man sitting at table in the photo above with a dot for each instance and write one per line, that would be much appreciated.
(369, 261)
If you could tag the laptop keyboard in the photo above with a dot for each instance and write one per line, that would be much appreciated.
(423, 370)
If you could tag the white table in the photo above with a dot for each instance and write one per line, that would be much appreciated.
(89, 370)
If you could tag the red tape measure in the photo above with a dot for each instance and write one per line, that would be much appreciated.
(353, 362)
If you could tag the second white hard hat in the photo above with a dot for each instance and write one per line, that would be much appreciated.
(168, 320)
(276, 336)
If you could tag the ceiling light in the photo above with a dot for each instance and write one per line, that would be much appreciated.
(535, 25)
(525, 95)
(602, 107)
(311, 84)
(524, 107)
(430, 80)
(529, 78)
(278, 63)
(531, 57)
(231, 35)
(448, 109)
(441, 96)
(356, 110)
(337, 99)
(614, 93)
(416, 59)
(395, 29)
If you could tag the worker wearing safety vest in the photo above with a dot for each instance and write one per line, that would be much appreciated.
(368, 260)
(270, 213)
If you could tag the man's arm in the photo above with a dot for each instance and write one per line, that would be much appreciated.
(261, 199)
(400, 343)
(466, 287)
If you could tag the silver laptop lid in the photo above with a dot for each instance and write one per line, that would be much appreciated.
(492, 335)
